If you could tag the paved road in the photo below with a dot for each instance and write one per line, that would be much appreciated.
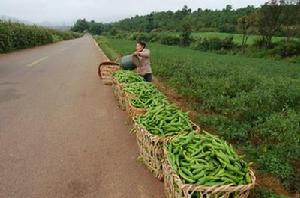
(61, 132)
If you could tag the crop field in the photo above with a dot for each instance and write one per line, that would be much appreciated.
(252, 103)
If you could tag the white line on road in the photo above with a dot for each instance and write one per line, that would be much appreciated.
(37, 61)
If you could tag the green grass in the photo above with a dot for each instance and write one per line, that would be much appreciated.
(110, 53)
(237, 38)
(252, 102)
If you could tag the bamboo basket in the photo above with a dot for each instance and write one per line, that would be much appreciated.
(151, 149)
(115, 85)
(121, 97)
(132, 111)
(174, 187)
(105, 71)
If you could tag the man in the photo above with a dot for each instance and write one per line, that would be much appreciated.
(144, 68)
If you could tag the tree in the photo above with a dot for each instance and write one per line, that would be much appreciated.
(186, 10)
(185, 36)
(290, 18)
(245, 27)
(81, 25)
(224, 20)
(95, 28)
(228, 7)
(298, 21)
(268, 22)
(113, 31)
(150, 24)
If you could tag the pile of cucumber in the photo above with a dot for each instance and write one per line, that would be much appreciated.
(165, 120)
(144, 95)
(125, 76)
(204, 159)
(198, 158)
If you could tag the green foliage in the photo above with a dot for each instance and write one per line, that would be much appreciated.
(278, 18)
(56, 38)
(167, 39)
(260, 192)
(221, 43)
(273, 162)
(103, 43)
(228, 128)
(140, 37)
(185, 36)
(250, 102)
(95, 28)
(214, 43)
(237, 38)
(200, 20)
(274, 18)
(286, 48)
(19, 36)
(82, 25)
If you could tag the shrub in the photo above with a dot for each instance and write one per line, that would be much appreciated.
(167, 39)
(286, 48)
(260, 192)
(19, 36)
(214, 43)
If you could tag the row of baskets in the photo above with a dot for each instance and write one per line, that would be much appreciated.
(153, 152)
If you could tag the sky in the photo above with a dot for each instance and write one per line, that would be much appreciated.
(65, 12)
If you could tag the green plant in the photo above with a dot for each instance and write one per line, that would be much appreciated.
(286, 48)
(260, 192)
(15, 36)
(167, 39)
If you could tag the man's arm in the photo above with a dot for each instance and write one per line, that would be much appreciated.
(145, 53)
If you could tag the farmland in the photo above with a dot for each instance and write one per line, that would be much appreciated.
(252, 103)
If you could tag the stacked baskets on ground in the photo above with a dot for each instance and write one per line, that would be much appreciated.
(156, 125)
(166, 121)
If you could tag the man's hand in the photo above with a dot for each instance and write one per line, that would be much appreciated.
(136, 53)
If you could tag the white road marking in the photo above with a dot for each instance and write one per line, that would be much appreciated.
(37, 61)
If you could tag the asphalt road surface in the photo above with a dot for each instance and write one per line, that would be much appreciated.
(61, 132)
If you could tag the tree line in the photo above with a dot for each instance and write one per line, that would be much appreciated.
(274, 18)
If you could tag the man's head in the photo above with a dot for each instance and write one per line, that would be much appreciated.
(140, 46)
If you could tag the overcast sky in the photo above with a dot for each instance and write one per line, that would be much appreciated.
(67, 11)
